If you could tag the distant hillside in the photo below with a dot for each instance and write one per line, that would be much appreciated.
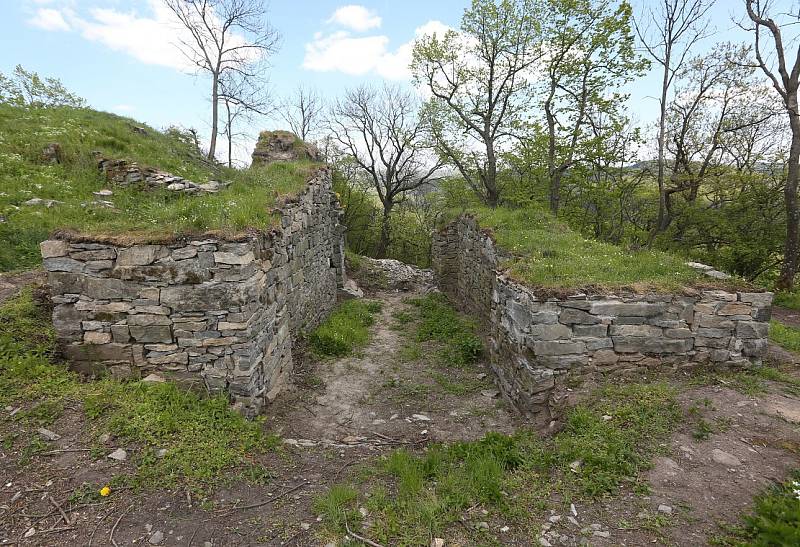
(45, 187)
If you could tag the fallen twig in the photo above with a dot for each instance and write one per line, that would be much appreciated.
(64, 516)
(64, 450)
(265, 502)
(114, 528)
(99, 522)
(356, 536)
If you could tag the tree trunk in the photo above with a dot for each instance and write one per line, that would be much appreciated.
(490, 179)
(555, 182)
(662, 126)
(790, 252)
(212, 147)
(230, 134)
(383, 242)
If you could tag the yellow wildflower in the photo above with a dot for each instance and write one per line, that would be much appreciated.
(104, 491)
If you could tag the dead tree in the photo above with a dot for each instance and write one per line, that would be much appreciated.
(303, 112)
(668, 34)
(382, 132)
(226, 37)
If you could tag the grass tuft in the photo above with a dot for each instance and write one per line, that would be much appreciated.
(439, 322)
(785, 336)
(345, 329)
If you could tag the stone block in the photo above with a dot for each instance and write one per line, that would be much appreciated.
(678, 333)
(233, 258)
(147, 320)
(650, 345)
(140, 255)
(53, 248)
(156, 334)
(591, 331)
(550, 332)
(713, 333)
(97, 337)
(635, 330)
(120, 333)
(571, 316)
(605, 357)
(751, 329)
(542, 348)
(63, 264)
(635, 309)
(735, 309)
(760, 299)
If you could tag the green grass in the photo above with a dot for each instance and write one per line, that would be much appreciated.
(775, 519)
(439, 322)
(787, 300)
(161, 214)
(345, 329)
(750, 381)
(550, 255)
(202, 436)
(415, 496)
(785, 336)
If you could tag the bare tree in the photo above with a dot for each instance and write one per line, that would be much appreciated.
(303, 111)
(380, 129)
(668, 34)
(227, 37)
(242, 99)
(785, 78)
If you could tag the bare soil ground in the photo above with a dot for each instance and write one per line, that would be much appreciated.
(342, 414)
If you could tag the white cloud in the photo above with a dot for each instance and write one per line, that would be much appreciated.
(355, 17)
(339, 51)
(49, 19)
(152, 39)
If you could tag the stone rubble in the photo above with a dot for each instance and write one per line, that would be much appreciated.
(124, 173)
(536, 343)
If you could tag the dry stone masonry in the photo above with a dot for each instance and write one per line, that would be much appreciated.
(124, 173)
(224, 313)
(537, 343)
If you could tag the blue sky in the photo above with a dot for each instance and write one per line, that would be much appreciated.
(117, 54)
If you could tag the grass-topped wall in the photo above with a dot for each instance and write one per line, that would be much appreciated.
(51, 178)
(557, 308)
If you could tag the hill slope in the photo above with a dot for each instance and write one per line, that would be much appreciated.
(25, 174)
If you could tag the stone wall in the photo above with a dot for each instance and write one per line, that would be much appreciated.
(537, 343)
(201, 309)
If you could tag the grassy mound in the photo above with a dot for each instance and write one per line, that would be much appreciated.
(548, 254)
(160, 214)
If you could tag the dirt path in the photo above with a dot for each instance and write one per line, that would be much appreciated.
(380, 393)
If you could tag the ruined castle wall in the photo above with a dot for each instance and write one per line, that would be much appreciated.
(536, 344)
(224, 313)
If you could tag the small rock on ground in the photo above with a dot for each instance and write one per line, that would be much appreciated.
(723, 458)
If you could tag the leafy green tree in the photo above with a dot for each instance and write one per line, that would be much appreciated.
(25, 87)
(479, 80)
(590, 55)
